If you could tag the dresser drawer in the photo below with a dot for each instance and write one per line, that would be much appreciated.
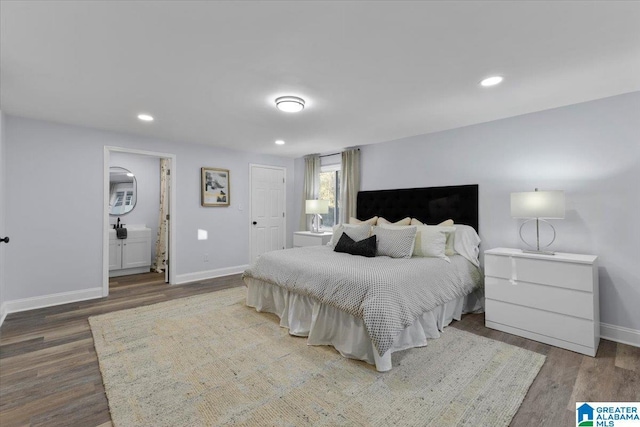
(306, 240)
(497, 266)
(309, 239)
(550, 298)
(553, 325)
(547, 272)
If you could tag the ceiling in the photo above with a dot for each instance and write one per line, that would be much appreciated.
(370, 71)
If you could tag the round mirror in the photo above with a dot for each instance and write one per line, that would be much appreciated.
(122, 191)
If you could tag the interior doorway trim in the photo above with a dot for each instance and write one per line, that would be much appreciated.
(105, 223)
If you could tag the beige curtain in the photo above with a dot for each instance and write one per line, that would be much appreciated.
(160, 261)
(349, 183)
(311, 186)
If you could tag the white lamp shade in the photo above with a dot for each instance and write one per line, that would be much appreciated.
(316, 207)
(538, 204)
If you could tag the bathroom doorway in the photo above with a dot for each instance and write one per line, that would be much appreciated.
(132, 232)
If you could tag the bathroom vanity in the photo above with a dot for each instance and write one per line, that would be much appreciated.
(131, 255)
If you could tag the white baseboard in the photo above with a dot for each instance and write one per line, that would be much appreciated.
(608, 332)
(3, 312)
(33, 303)
(620, 334)
(209, 274)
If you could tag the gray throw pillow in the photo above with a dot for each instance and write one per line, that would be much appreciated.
(356, 232)
(395, 243)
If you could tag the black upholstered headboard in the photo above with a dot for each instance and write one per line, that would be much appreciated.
(431, 205)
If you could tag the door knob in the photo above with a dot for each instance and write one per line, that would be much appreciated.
(255, 222)
(5, 239)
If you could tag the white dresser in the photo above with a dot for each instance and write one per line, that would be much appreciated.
(307, 238)
(548, 298)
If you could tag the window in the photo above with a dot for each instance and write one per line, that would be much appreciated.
(119, 197)
(120, 201)
(330, 190)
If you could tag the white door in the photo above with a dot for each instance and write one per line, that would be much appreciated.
(267, 209)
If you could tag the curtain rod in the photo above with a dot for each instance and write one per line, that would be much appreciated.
(334, 154)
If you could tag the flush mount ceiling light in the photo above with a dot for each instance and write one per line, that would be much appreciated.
(290, 104)
(491, 81)
(279, 142)
(145, 117)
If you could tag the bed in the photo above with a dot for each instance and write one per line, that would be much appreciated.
(369, 308)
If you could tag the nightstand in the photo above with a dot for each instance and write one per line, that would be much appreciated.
(548, 298)
(307, 238)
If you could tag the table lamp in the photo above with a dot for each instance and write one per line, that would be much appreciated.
(316, 207)
(538, 205)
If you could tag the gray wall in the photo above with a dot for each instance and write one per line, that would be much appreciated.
(147, 172)
(57, 235)
(589, 150)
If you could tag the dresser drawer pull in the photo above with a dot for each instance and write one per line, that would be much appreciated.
(514, 273)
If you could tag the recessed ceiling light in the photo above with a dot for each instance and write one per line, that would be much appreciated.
(279, 142)
(130, 174)
(145, 117)
(491, 81)
(290, 104)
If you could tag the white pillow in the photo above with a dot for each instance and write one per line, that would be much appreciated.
(448, 250)
(356, 232)
(431, 241)
(466, 242)
(446, 223)
(390, 226)
(405, 221)
(395, 243)
(371, 221)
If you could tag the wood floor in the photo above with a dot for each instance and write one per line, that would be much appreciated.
(49, 371)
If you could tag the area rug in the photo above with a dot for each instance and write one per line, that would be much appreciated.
(209, 360)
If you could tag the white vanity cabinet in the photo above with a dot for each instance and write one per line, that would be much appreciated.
(115, 253)
(131, 255)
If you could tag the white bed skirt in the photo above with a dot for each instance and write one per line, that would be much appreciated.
(326, 325)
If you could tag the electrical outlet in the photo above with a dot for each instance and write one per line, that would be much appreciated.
(205, 258)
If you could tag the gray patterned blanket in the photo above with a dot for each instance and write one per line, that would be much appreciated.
(388, 294)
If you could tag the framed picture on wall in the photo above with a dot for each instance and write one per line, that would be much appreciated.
(215, 187)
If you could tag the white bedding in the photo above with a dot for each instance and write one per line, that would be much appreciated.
(326, 325)
(383, 297)
(388, 294)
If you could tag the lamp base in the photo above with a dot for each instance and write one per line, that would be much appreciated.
(315, 224)
(530, 251)
(536, 249)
